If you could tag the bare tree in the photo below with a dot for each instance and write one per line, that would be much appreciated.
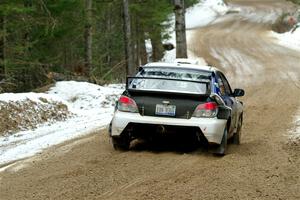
(130, 64)
(88, 36)
(181, 46)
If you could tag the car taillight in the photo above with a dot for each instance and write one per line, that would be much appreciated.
(127, 104)
(209, 109)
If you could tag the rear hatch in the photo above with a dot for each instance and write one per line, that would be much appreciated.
(169, 92)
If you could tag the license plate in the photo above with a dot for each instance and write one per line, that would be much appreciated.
(166, 110)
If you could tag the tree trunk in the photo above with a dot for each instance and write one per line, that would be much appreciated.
(109, 41)
(181, 47)
(157, 47)
(2, 47)
(88, 37)
(137, 36)
(140, 48)
(143, 51)
(130, 65)
(27, 3)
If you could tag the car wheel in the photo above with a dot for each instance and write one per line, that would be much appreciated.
(237, 136)
(221, 150)
(120, 143)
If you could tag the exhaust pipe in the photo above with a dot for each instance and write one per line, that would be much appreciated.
(161, 129)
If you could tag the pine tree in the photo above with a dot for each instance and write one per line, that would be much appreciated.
(130, 65)
(2, 46)
(88, 37)
(38, 37)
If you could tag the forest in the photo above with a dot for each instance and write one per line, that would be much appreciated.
(46, 40)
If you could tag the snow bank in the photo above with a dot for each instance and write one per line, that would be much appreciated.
(92, 107)
(26, 111)
(201, 14)
(36, 97)
(204, 13)
(85, 98)
(289, 39)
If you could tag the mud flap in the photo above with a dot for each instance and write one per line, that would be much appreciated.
(109, 129)
(222, 148)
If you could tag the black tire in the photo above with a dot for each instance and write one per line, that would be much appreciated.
(236, 139)
(120, 144)
(222, 149)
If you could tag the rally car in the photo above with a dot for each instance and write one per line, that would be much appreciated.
(182, 98)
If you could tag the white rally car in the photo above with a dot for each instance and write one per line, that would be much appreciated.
(178, 98)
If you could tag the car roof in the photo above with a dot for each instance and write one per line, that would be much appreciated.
(181, 66)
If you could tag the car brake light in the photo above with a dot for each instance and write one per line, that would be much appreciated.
(209, 109)
(127, 104)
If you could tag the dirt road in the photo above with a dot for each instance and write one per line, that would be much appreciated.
(264, 166)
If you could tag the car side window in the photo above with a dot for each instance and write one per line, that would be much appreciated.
(226, 84)
(223, 85)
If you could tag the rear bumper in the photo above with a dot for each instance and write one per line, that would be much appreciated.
(212, 128)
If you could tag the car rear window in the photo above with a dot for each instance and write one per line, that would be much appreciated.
(171, 80)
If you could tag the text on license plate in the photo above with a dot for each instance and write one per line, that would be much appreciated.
(167, 110)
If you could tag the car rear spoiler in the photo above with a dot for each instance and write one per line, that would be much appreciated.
(207, 82)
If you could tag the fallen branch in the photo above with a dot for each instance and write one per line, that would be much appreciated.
(112, 69)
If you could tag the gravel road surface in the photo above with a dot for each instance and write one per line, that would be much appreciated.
(264, 166)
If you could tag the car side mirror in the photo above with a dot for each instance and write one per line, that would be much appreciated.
(238, 92)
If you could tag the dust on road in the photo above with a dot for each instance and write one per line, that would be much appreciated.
(264, 166)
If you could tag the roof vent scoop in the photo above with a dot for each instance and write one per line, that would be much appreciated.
(186, 61)
(197, 61)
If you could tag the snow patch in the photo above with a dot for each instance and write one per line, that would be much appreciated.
(204, 13)
(294, 134)
(36, 97)
(85, 98)
(257, 14)
(201, 14)
(289, 39)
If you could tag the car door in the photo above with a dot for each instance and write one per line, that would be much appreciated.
(226, 93)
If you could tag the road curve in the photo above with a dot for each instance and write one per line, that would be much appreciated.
(264, 166)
